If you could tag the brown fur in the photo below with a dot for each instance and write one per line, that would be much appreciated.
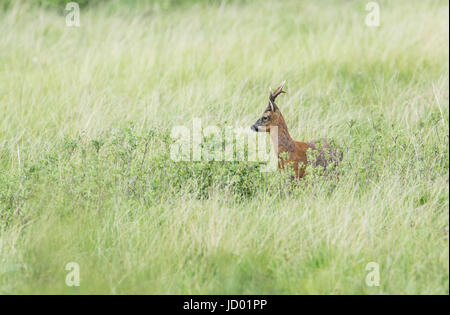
(296, 150)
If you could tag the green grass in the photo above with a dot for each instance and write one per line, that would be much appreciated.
(85, 173)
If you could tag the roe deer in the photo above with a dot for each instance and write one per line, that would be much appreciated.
(296, 150)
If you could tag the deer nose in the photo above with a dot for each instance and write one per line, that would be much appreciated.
(254, 128)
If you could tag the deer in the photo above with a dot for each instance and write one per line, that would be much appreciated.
(291, 152)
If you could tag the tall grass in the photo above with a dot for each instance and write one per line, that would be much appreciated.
(85, 173)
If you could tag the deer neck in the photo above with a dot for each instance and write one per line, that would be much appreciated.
(281, 140)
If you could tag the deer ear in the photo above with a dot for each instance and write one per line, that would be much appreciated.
(273, 95)
(271, 107)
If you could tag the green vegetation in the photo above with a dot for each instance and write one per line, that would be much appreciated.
(85, 170)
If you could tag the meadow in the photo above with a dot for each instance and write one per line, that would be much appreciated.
(86, 115)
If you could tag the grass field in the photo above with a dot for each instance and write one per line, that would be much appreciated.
(85, 121)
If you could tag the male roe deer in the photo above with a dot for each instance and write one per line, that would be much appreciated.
(296, 150)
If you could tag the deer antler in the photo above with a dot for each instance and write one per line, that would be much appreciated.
(274, 94)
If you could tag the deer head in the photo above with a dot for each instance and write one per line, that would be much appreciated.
(272, 115)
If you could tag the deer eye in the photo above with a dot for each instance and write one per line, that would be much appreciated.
(265, 118)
